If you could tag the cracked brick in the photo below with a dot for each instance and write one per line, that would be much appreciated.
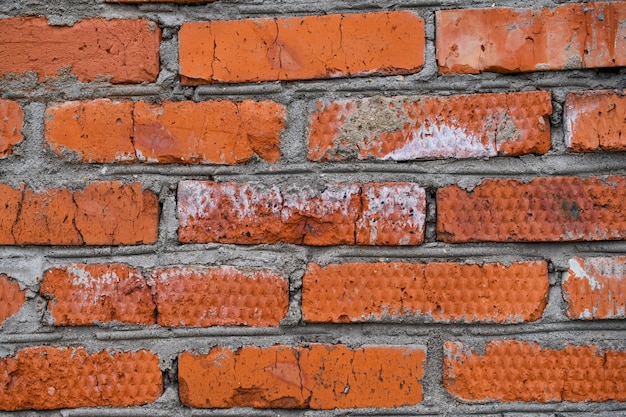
(301, 47)
(12, 298)
(11, 121)
(212, 132)
(123, 51)
(318, 377)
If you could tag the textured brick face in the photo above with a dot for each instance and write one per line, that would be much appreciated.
(11, 298)
(572, 36)
(407, 128)
(45, 378)
(355, 292)
(316, 377)
(542, 210)
(220, 296)
(595, 288)
(340, 214)
(120, 50)
(11, 120)
(595, 120)
(301, 47)
(520, 371)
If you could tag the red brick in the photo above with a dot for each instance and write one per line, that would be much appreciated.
(595, 288)
(408, 128)
(220, 296)
(46, 378)
(301, 47)
(220, 132)
(11, 298)
(357, 292)
(542, 210)
(86, 294)
(11, 120)
(595, 120)
(589, 35)
(316, 377)
(520, 371)
(124, 51)
(251, 213)
(103, 213)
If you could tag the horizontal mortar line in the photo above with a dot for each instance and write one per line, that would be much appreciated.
(33, 337)
(234, 412)
(127, 411)
(102, 251)
(544, 328)
(164, 169)
(164, 333)
(121, 91)
(265, 88)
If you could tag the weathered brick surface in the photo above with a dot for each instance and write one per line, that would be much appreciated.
(11, 121)
(316, 377)
(124, 51)
(220, 296)
(595, 120)
(595, 288)
(251, 213)
(542, 210)
(46, 378)
(82, 294)
(301, 47)
(102, 213)
(589, 35)
(520, 371)
(407, 128)
(12, 298)
(355, 292)
(220, 132)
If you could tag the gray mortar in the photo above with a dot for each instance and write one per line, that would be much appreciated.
(38, 167)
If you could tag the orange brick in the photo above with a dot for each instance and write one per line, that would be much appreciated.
(589, 35)
(11, 298)
(11, 120)
(220, 296)
(520, 371)
(408, 128)
(46, 378)
(301, 47)
(250, 213)
(542, 210)
(124, 51)
(356, 292)
(595, 120)
(103, 213)
(595, 288)
(86, 294)
(316, 377)
(220, 132)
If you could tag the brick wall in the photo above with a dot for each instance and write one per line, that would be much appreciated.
(271, 208)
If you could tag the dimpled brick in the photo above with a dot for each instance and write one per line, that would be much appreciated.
(595, 120)
(102, 213)
(11, 120)
(318, 377)
(408, 128)
(124, 51)
(251, 213)
(589, 35)
(11, 298)
(221, 296)
(595, 288)
(86, 294)
(357, 292)
(299, 48)
(46, 378)
(542, 210)
(520, 371)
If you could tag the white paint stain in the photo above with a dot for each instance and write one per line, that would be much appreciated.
(580, 273)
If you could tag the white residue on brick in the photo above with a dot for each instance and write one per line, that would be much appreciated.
(334, 199)
(570, 117)
(442, 141)
(83, 279)
(580, 273)
(406, 201)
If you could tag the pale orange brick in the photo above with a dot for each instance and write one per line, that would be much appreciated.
(520, 371)
(12, 298)
(11, 121)
(408, 128)
(46, 378)
(450, 292)
(595, 288)
(297, 48)
(318, 377)
(220, 296)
